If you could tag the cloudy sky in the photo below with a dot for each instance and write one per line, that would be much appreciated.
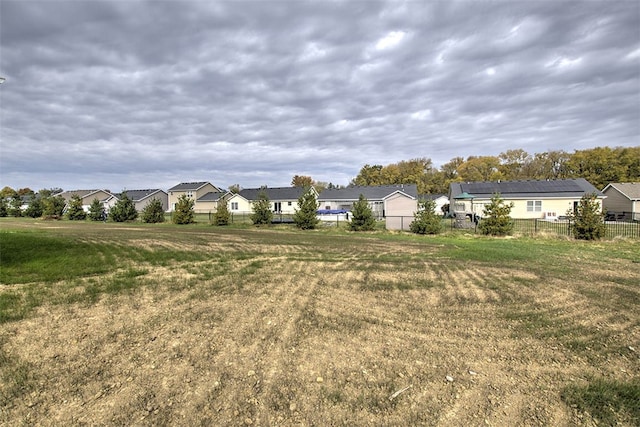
(148, 94)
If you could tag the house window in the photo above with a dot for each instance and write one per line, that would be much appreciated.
(234, 206)
(534, 205)
(288, 203)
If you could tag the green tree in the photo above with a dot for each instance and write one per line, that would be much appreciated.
(426, 220)
(497, 218)
(306, 216)
(4, 211)
(153, 212)
(15, 205)
(483, 168)
(222, 215)
(369, 175)
(261, 210)
(96, 211)
(35, 208)
(53, 206)
(301, 181)
(362, 216)
(124, 210)
(184, 213)
(588, 219)
(75, 212)
(7, 192)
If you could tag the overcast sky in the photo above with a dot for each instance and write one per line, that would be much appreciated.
(132, 94)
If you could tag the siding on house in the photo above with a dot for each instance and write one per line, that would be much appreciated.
(141, 198)
(344, 198)
(531, 199)
(193, 190)
(623, 197)
(88, 196)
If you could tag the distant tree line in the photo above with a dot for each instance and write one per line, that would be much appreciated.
(600, 166)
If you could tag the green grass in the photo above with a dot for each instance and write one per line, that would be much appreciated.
(608, 401)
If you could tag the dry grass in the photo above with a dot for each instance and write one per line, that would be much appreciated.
(304, 332)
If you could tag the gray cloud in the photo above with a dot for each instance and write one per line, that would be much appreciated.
(148, 94)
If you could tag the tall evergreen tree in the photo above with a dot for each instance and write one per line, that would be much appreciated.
(362, 216)
(184, 213)
(306, 216)
(75, 212)
(124, 210)
(262, 213)
(96, 211)
(222, 215)
(153, 212)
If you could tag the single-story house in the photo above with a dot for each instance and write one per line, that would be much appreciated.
(141, 198)
(194, 191)
(283, 200)
(209, 202)
(623, 201)
(107, 198)
(531, 199)
(395, 203)
(441, 201)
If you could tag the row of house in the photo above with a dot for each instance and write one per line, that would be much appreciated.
(397, 204)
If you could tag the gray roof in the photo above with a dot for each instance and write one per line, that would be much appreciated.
(137, 195)
(519, 189)
(370, 193)
(186, 186)
(631, 190)
(67, 195)
(276, 193)
(431, 196)
(212, 196)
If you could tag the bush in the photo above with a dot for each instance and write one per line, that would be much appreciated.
(124, 210)
(497, 220)
(222, 215)
(35, 209)
(426, 220)
(361, 216)
(153, 212)
(262, 210)
(96, 211)
(184, 213)
(75, 212)
(588, 219)
(306, 216)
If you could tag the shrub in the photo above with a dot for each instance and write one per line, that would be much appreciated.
(361, 216)
(426, 220)
(222, 215)
(124, 210)
(306, 216)
(262, 210)
(96, 211)
(497, 220)
(75, 212)
(588, 219)
(153, 212)
(35, 209)
(184, 213)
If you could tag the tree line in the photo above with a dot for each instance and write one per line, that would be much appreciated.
(600, 166)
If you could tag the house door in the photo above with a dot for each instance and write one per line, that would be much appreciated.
(277, 206)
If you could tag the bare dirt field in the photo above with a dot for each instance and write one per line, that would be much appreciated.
(330, 331)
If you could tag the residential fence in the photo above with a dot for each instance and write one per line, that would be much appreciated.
(525, 226)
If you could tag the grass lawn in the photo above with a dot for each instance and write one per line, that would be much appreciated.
(104, 323)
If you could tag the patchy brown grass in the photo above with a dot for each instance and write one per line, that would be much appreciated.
(297, 335)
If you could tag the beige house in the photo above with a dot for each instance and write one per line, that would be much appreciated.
(141, 198)
(283, 200)
(397, 204)
(531, 199)
(88, 196)
(194, 191)
(623, 201)
(210, 201)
